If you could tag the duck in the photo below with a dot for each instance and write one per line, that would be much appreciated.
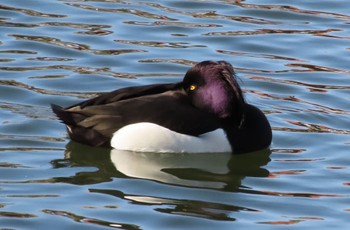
(205, 112)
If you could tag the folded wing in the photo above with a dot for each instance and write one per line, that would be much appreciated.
(94, 121)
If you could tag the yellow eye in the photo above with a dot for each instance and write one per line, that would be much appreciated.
(192, 87)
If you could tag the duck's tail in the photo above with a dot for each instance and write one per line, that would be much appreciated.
(64, 116)
(79, 133)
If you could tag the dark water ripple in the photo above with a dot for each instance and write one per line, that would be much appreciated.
(292, 60)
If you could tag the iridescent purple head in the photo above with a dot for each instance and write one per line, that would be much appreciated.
(212, 87)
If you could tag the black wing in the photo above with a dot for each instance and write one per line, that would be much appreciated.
(94, 121)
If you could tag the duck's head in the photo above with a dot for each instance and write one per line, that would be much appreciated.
(212, 87)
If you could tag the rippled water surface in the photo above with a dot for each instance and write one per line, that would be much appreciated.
(292, 58)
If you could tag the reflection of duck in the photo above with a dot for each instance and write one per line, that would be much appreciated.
(159, 166)
(206, 112)
(222, 171)
(205, 170)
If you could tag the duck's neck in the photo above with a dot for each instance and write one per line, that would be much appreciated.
(251, 133)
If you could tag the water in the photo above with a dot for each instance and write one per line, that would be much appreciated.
(293, 62)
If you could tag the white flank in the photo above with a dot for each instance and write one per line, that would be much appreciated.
(150, 137)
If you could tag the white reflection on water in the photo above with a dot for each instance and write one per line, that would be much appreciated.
(195, 170)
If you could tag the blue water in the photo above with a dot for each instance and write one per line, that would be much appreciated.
(292, 59)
